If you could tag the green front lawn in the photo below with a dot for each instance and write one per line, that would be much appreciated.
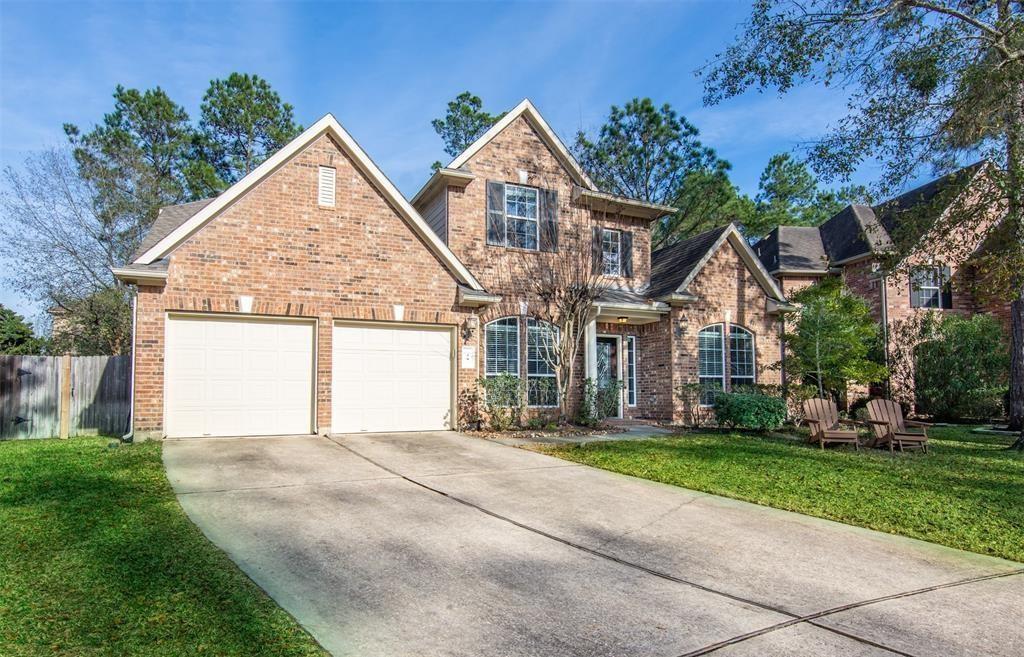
(966, 492)
(97, 558)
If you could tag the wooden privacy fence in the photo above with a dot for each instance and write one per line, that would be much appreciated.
(50, 396)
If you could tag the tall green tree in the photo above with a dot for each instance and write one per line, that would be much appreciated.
(242, 122)
(140, 157)
(654, 154)
(831, 339)
(789, 195)
(16, 335)
(463, 123)
(930, 82)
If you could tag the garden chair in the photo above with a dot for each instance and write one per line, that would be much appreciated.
(822, 416)
(890, 428)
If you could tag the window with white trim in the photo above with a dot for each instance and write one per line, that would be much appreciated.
(521, 223)
(631, 370)
(710, 363)
(325, 186)
(611, 252)
(930, 288)
(741, 357)
(501, 347)
(541, 379)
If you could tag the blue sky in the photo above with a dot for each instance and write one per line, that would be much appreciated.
(386, 69)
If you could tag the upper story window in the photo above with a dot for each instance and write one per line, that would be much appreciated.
(521, 224)
(611, 252)
(930, 288)
(522, 217)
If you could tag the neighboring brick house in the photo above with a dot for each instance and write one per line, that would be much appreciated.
(312, 297)
(857, 244)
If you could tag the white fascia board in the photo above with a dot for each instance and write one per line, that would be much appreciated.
(137, 277)
(526, 108)
(448, 176)
(327, 125)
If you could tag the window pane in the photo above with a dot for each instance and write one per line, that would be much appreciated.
(926, 287)
(521, 202)
(741, 356)
(710, 386)
(610, 253)
(541, 358)
(709, 351)
(522, 233)
(501, 338)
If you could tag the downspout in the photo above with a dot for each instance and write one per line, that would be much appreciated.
(130, 435)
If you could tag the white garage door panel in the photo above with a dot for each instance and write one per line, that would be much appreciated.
(391, 379)
(238, 377)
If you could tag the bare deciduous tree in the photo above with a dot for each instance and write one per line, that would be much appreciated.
(59, 250)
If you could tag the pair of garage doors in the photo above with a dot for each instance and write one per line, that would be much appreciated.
(249, 376)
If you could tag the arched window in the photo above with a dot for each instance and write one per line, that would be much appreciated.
(541, 361)
(741, 357)
(710, 362)
(501, 347)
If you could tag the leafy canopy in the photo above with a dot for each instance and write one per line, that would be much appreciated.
(463, 123)
(16, 335)
(243, 121)
(830, 340)
(653, 154)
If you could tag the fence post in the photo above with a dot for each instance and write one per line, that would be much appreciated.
(65, 395)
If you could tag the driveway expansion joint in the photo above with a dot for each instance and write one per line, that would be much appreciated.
(794, 619)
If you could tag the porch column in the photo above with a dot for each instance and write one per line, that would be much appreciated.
(590, 349)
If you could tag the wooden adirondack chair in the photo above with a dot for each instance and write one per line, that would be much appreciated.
(822, 416)
(890, 428)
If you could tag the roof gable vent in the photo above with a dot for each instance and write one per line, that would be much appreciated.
(325, 191)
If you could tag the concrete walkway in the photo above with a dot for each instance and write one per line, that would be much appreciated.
(437, 544)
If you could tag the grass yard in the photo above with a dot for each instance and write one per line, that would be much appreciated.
(97, 558)
(965, 493)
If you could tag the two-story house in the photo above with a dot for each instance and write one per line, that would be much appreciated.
(858, 244)
(312, 297)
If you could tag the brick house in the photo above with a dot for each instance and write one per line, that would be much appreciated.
(855, 244)
(312, 297)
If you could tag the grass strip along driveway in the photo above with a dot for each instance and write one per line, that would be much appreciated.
(97, 558)
(964, 493)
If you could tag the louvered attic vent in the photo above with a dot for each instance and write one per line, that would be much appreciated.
(325, 193)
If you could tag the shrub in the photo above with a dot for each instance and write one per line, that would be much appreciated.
(690, 394)
(598, 403)
(503, 401)
(758, 412)
(962, 367)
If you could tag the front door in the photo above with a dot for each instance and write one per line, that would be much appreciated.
(608, 377)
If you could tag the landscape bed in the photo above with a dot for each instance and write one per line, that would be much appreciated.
(98, 558)
(964, 493)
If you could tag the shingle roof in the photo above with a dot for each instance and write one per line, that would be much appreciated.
(792, 248)
(169, 218)
(854, 231)
(621, 295)
(672, 264)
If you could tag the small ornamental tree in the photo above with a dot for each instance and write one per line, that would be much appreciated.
(829, 341)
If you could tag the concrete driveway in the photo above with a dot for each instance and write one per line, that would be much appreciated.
(439, 544)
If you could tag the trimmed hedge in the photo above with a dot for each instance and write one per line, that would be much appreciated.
(750, 411)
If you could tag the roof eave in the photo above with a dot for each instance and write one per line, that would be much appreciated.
(136, 277)
(443, 176)
(476, 298)
(621, 205)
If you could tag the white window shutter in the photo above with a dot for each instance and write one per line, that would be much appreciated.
(325, 193)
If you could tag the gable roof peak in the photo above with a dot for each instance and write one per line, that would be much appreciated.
(526, 109)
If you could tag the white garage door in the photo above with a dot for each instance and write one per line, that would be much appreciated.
(389, 378)
(238, 377)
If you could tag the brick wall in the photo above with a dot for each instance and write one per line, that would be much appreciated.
(790, 284)
(296, 259)
(728, 293)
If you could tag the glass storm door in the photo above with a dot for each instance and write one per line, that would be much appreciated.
(608, 365)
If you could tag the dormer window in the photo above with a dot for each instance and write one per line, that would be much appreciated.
(521, 223)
